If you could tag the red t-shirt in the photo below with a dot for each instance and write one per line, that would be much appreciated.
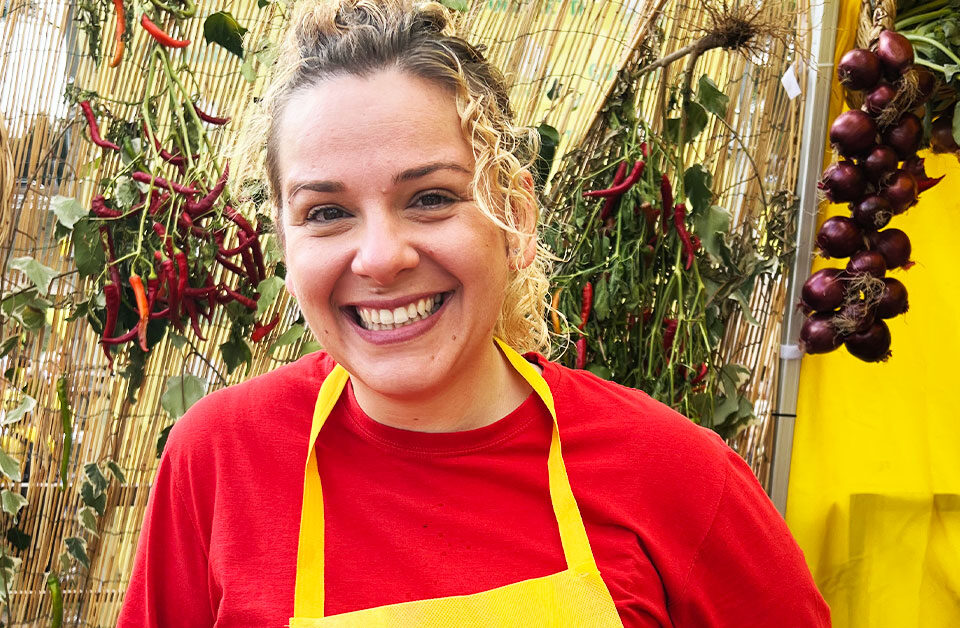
(682, 532)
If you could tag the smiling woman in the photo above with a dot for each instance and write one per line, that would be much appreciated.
(415, 465)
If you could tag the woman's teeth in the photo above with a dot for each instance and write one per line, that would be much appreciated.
(379, 320)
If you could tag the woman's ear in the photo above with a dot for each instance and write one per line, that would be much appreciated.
(525, 247)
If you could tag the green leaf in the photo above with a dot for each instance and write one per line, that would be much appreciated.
(93, 498)
(88, 252)
(88, 519)
(269, 288)
(696, 183)
(93, 473)
(177, 340)
(68, 210)
(8, 344)
(9, 466)
(549, 140)
(77, 548)
(26, 405)
(162, 439)
(600, 371)
(456, 5)
(310, 346)
(287, 338)
(222, 28)
(127, 193)
(115, 470)
(711, 226)
(182, 391)
(956, 123)
(744, 302)
(235, 352)
(40, 275)
(248, 71)
(261, 4)
(12, 502)
(601, 301)
(696, 117)
(87, 169)
(711, 97)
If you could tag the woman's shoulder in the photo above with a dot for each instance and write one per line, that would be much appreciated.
(266, 406)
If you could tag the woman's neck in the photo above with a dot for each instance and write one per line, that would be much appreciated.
(482, 392)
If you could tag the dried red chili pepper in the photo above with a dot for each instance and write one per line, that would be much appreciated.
(183, 274)
(581, 352)
(98, 206)
(666, 196)
(258, 258)
(701, 373)
(162, 37)
(622, 187)
(238, 219)
(644, 150)
(121, 28)
(142, 309)
(611, 202)
(232, 267)
(107, 240)
(239, 298)
(260, 331)
(206, 117)
(160, 182)
(202, 205)
(669, 332)
(94, 128)
(679, 214)
(191, 306)
(119, 340)
(586, 304)
(111, 293)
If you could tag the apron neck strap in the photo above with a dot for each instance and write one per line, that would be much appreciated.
(309, 598)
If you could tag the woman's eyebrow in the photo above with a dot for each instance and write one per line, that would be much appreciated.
(422, 171)
(409, 174)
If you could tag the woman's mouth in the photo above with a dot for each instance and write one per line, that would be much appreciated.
(381, 319)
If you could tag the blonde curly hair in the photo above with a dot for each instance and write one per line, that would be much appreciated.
(328, 38)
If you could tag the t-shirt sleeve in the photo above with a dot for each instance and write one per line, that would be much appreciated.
(748, 572)
(169, 584)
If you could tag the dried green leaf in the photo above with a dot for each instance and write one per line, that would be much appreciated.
(9, 466)
(40, 275)
(711, 97)
(68, 210)
(222, 28)
(181, 392)
(77, 548)
(27, 404)
(12, 502)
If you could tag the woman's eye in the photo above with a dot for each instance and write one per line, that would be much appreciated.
(433, 199)
(325, 214)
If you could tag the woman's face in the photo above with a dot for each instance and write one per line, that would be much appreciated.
(396, 271)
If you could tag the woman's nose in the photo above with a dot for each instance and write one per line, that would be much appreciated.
(384, 251)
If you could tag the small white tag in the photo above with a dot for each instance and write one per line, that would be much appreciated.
(790, 352)
(790, 82)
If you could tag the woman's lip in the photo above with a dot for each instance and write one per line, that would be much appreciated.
(391, 304)
(399, 334)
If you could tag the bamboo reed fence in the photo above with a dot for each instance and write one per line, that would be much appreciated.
(573, 49)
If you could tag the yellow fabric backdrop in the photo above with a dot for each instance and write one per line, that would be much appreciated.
(874, 497)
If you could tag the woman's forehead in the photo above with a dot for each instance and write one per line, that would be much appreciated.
(350, 120)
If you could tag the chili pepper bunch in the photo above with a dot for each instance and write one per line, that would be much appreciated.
(630, 292)
(172, 247)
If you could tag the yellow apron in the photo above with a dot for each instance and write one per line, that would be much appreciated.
(572, 598)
